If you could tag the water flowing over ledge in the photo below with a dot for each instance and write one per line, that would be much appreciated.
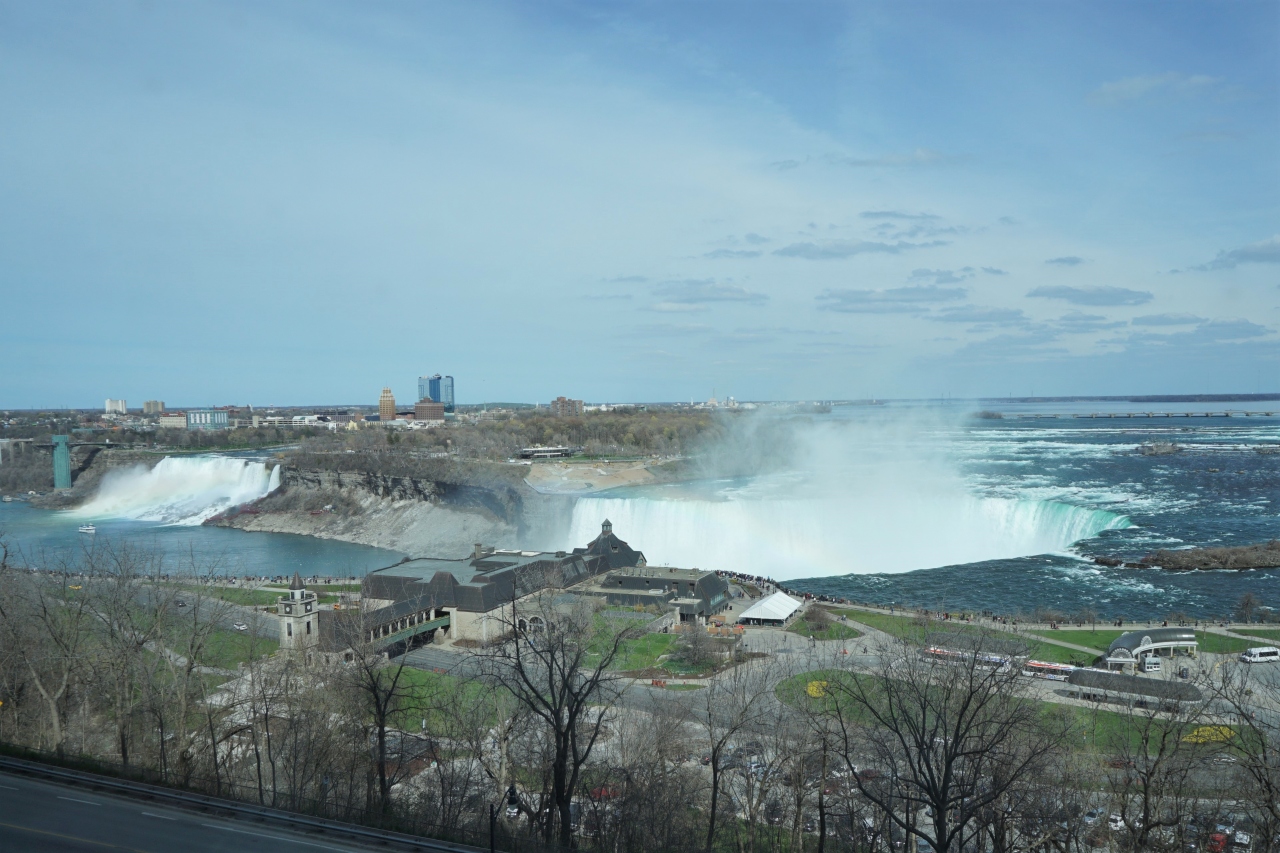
(795, 538)
(181, 490)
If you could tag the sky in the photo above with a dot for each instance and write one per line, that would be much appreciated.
(299, 203)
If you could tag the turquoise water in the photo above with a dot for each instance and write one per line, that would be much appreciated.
(43, 538)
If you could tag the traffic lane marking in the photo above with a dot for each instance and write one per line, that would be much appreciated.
(77, 838)
(161, 816)
(278, 837)
(10, 788)
(86, 802)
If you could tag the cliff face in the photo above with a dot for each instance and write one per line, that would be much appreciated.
(88, 466)
(413, 515)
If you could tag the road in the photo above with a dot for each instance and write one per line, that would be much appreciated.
(39, 815)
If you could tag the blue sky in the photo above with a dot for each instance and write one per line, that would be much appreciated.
(295, 203)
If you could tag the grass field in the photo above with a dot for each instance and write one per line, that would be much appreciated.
(831, 631)
(1099, 639)
(913, 628)
(227, 648)
(1092, 730)
(1220, 645)
(1272, 634)
(643, 652)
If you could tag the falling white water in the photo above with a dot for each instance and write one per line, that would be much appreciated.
(795, 538)
(876, 495)
(184, 490)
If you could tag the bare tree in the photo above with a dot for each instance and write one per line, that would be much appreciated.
(382, 692)
(48, 625)
(949, 733)
(1156, 752)
(1252, 693)
(738, 701)
(557, 661)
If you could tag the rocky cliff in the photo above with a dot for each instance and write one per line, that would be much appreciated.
(443, 515)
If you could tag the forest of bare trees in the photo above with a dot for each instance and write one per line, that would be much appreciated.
(882, 749)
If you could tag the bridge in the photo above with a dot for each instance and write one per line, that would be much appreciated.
(61, 448)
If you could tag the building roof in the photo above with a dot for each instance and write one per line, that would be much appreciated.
(1134, 685)
(296, 583)
(618, 553)
(1131, 641)
(777, 607)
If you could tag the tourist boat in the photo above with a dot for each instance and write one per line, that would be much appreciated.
(88, 528)
(8, 499)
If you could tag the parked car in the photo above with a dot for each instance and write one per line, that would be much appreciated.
(179, 603)
(1217, 842)
(1092, 817)
(240, 626)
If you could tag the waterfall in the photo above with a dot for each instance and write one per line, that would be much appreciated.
(180, 490)
(791, 538)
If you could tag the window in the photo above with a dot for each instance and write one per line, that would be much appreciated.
(289, 629)
(308, 626)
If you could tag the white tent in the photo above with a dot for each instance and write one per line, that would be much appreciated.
(776, 608)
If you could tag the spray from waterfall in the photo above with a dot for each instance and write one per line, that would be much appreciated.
(181, 490)
(861, 497)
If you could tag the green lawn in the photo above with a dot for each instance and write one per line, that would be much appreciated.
(1219, 645)
(831, 631)
(643, 652)
(1093, 729)
(226, 648)
(913, 628)
(321, 587)
(1099, 639)
(1272, 634)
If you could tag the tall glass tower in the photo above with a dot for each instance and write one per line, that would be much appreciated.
(438, 388)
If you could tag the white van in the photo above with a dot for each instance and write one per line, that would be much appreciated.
(1260, 654)
(1150, 663)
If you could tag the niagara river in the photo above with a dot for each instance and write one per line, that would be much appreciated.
(903, 504)
(918, 506)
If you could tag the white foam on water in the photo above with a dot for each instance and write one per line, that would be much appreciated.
(180, 490)
(792, 538)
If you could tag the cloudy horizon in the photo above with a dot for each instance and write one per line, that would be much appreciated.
(297, 203)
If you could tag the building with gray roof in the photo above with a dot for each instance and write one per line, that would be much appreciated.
(1128, 648)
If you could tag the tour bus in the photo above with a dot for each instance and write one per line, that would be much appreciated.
(1051, 671)
(1260, 654)
(950, 656)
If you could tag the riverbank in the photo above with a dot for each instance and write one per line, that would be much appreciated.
(1262, 555)
(441, 515)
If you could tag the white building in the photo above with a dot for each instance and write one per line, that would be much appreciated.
(115, 407)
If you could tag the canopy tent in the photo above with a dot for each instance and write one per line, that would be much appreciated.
(775, 609)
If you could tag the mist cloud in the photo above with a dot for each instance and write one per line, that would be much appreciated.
(1096, 296)
(837, 249)
(700, 291)
(895, 300)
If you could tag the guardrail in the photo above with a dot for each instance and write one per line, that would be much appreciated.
(200, 801)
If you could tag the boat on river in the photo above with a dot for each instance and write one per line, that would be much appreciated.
(88, 528)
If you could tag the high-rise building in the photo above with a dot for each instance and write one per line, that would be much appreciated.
(562, 407)
(386, 406)
(153, 407)
(116, 407)
(438, 388)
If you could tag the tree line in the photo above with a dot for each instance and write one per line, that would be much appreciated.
(851, 746)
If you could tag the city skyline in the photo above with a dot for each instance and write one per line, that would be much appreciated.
(640, 202)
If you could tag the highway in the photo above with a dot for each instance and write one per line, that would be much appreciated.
(38, 815)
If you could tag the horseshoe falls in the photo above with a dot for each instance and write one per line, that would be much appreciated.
(180, 490)
(790, 538)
